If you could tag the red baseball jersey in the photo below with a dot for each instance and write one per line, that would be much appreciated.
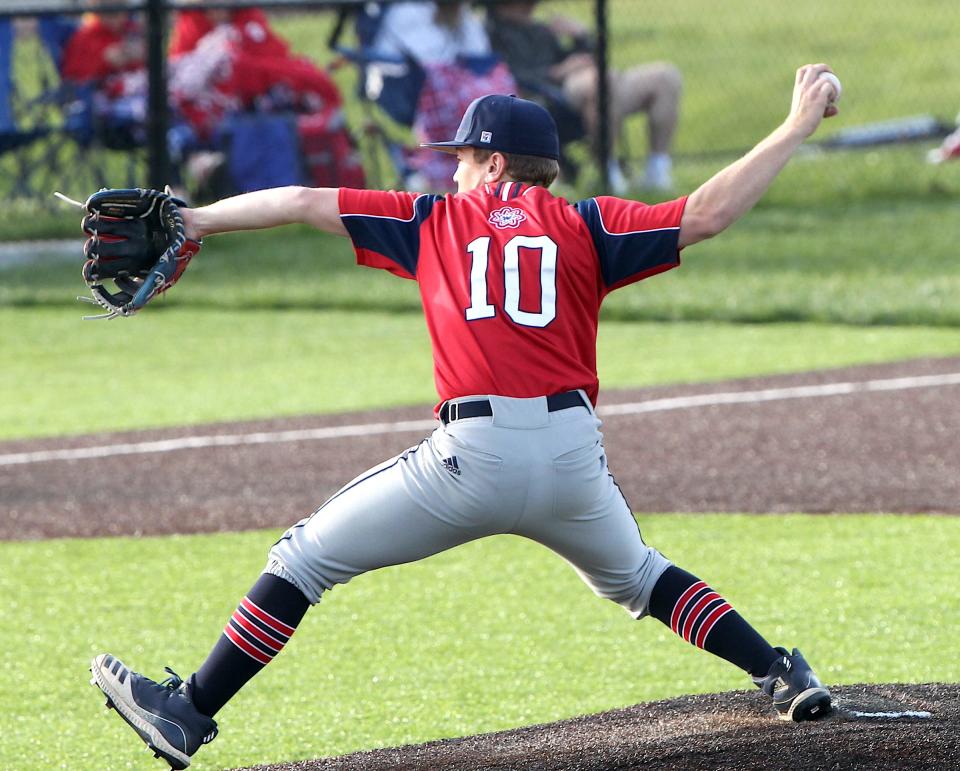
(512, 277)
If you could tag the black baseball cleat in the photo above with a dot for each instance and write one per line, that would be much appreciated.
(162, 714)
(796, 692)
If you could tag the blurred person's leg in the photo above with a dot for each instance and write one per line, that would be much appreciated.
(580, 88)
(654, 89)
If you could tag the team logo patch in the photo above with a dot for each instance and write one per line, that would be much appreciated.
(507, 217)
(486, 136)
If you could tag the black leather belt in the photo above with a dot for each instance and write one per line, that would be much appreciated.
(480, 408)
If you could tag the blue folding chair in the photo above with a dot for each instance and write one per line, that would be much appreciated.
(388, 86)
(79, 136)
(21, 138)
(6, 75)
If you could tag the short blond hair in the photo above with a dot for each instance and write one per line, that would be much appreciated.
(532, 169)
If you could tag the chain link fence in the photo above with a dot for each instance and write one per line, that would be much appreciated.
(696, 81)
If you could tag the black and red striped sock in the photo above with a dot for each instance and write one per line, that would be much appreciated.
(255, 633)
(703, 618)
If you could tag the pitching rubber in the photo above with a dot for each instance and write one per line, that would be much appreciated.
(135, 717)
(811, 704)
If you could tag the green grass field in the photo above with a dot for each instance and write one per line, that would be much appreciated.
(184, 365)
(489, 636)
(284, 323)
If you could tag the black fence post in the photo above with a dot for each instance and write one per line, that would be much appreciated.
(157, 109)
(603, 96)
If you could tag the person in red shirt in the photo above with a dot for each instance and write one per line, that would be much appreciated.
(244, 60)
(104, 45)
(191, 27)
(511, 280)
(104, 68)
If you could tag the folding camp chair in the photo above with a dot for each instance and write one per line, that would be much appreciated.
(388, 87)
(21, 156)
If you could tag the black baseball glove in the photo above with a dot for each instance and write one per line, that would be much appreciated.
(136, 239)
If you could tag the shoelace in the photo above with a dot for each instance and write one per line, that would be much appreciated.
(173, 683)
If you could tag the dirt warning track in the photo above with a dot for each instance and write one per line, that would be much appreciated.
(880, 438)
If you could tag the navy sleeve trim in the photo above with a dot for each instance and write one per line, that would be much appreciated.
(631, 255)
(395, 238)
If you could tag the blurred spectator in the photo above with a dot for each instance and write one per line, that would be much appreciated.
(104, 62)
(450, 44)
(538, 54)
(105, 44)
(431, 33)
(229, 60)
(262, 116)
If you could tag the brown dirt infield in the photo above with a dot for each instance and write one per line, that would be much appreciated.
(880, 451)
(884, 451)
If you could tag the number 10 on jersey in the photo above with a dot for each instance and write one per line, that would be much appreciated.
(480, 308)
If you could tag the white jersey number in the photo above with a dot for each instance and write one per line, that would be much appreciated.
(480, 308)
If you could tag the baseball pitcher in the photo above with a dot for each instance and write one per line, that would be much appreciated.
(511, 279)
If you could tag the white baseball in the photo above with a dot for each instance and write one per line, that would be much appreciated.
(835, 82)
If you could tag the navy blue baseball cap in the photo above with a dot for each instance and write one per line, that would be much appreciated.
(506, 124)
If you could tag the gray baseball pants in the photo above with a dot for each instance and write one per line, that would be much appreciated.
(526, 471)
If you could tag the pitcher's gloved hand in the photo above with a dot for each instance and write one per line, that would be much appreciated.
(136, 239)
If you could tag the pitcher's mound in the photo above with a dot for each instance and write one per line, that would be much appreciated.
(876, 727)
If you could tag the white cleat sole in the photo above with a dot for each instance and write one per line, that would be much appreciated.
(121, 699)
(811, 704)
